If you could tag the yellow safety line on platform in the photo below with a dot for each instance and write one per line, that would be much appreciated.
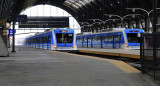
(119, 64)
(124, 66)
(134, 56)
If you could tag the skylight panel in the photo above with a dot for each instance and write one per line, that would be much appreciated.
(77, 3)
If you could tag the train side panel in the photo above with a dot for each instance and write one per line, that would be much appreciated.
(126, 39)
(51, 41)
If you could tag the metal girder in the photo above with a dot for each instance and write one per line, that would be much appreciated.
(11, 8)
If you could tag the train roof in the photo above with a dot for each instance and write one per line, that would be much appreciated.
(46, 31)
(113, 30)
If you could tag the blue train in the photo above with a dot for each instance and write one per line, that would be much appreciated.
(113, 38)
(57, 39)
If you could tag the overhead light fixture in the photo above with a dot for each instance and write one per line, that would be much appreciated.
(133, 10)
(133, 16)
(111, 4)
(8, 25)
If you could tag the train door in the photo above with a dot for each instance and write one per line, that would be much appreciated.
(97, 41)
(85, 41)
(107, 41)
(116, 41)
(89, 41)
(79, 41)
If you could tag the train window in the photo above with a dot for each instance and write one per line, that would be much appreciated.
(94, 38)
(85, 38)
(97, 38)
(79, 40)
(108, 38)
(116, 38)
(89, 39)
(132, 38)
(64, 37)
(105, 38)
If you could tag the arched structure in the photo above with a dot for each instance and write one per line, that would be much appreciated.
(82, 10)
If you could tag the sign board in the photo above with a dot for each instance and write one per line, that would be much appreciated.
(158, 26)
(21, 18)
(10, 35)
(5, 32)
(11, 31)
(45, 22)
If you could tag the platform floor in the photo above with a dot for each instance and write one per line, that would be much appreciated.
(35, 67)
(130, 53)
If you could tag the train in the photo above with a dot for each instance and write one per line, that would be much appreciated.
(56, 39)
(113, 38)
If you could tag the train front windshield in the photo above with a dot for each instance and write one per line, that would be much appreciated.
(133, 38)
(64, 37)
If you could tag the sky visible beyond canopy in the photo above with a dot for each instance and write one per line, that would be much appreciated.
(44, 10)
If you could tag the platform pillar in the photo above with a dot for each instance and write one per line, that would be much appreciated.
(13, 46)
(3, 38)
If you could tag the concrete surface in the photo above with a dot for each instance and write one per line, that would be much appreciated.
(35, 67)
(124, 51)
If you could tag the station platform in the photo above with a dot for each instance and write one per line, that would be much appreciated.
(129, 53)
(36, 67)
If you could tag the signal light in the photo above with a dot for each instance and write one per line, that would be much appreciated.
(134, 31)
(63, 31)
(144, 45)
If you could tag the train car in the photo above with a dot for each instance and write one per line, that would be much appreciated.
(113, 38)
(57, 39)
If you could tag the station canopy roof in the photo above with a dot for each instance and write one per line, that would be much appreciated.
(81, 10)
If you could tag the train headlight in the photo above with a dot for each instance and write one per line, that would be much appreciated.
(55, 46)
(74, 46)
(126, 45)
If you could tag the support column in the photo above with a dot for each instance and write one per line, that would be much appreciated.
(137, 23)
(146, 24)
(154, 35)
(130, 25)
(9, 46)
(13, 46)
(109, 25)
(3, 38)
